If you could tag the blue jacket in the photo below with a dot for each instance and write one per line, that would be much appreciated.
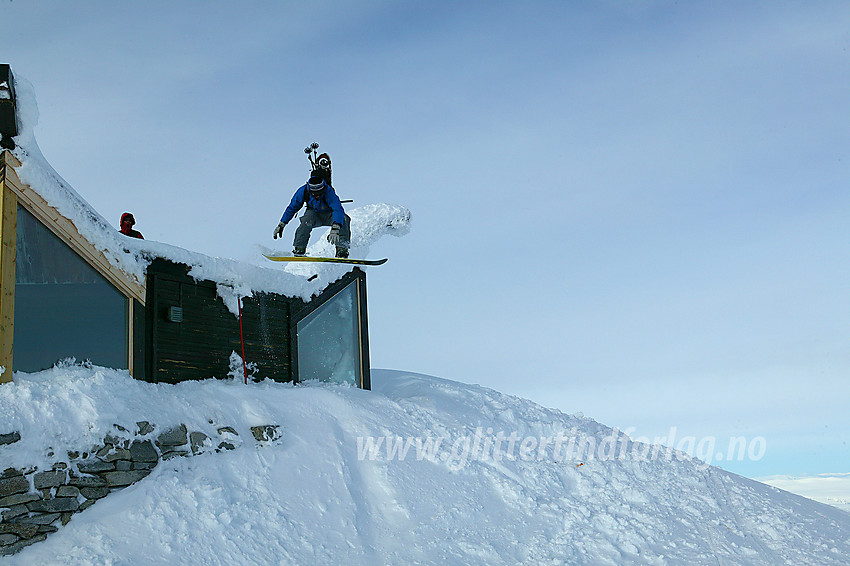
(328, 202)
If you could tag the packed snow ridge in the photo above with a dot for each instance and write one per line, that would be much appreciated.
(339, 486)
(234, 279)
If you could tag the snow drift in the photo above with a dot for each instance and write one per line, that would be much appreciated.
(330, 491)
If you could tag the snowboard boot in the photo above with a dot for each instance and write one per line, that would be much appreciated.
(341, 252)
(299, 252)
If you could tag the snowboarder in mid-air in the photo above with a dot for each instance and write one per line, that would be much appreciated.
(323, 209)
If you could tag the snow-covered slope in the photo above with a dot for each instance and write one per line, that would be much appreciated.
(318, 496)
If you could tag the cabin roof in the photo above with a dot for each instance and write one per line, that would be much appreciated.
(125, 260)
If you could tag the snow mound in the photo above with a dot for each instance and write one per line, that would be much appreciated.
(330, 491)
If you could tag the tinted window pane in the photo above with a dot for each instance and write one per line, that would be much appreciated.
(63, 306)
(329, 340)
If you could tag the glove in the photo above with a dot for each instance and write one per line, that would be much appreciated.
(278, 232)
(333, 237)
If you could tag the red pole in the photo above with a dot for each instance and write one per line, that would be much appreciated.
(242, 340)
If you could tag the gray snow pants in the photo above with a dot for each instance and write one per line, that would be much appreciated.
(311, 219)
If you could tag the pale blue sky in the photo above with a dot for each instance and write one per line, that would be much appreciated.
(637, 210)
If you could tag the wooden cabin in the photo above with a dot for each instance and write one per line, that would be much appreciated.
(61, 296)
(188, 333)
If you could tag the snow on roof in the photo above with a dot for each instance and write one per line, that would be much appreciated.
(233, 278)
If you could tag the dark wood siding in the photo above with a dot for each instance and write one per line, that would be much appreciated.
(265, 326)
(140, 359)
(8, 117)
(199, 347)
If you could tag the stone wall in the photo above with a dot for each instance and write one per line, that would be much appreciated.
(35, 503)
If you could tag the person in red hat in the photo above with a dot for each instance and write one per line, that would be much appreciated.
(127, 223)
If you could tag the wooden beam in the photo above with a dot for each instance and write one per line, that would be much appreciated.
(68, 233)
(8, 233)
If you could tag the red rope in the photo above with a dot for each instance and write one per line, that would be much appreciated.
(242, 340)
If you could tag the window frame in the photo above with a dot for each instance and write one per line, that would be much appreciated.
(14, 193)
(356, 277)
(128, 314)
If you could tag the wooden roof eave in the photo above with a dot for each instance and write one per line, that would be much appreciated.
(68, 232)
